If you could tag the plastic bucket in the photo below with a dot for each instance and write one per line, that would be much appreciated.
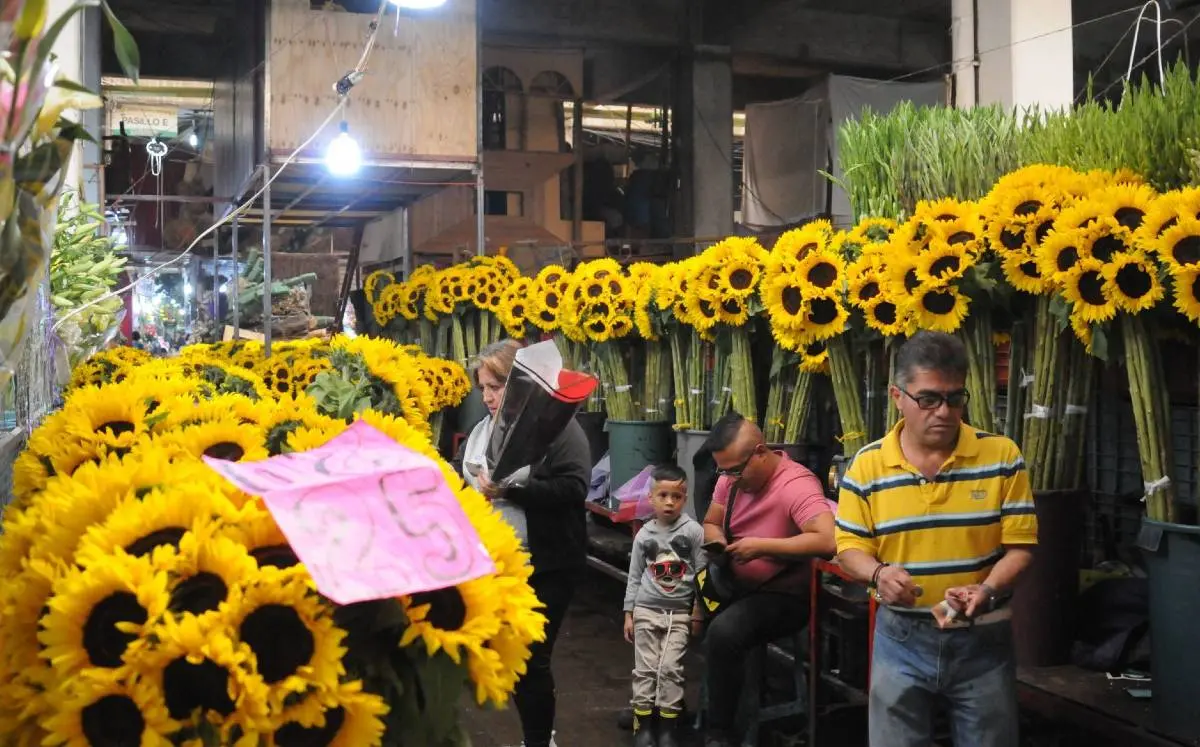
(593, 427)
(1172, 553)
(633, 445)
(688, 446)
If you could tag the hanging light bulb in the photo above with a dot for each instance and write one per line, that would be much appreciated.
(343, 158)
(193, 140)
(418, 4)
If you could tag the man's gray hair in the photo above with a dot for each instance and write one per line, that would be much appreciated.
(930, 351)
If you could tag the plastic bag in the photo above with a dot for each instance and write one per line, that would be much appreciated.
(633, 498)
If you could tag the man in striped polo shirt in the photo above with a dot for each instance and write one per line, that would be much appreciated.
(938, 519)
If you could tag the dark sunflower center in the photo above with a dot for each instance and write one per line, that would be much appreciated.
(823, 311)
(225, 450)
(911, 281)
(814, 349)
(1091, 285)
(885, 312)
(938, 302)
(1012, 239)
(1044, 230)
(518, 311)
(1133, 280)
(280, 640)
(707, 310)
(1187, 250)
(731, 306)
(275, 556)
(960, 237)
(552, 300)
(1029, 207)
(1066, 259)
(295, 735)
(447, 609)
(1105, 247)
(595, 291)
(201, 593)
(741, 279)
(822, 275)
(113, 721)
(116, 427)
(792, 300)
(944, 266)
(868, 291)
(145, 544)
(1169, 225)
(597, 326)
(1030, 269)
(101, 639)
(1196, 288)
(188, 687)
(1130, 217)
(809, 247)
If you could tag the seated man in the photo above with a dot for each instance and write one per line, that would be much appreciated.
(780, 519)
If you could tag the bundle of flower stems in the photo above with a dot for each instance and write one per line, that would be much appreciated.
(690, 355)
(846, 390)
(1151, 413)
(647, 361)
(739, 371)
(1055, 426)
(788, 400)
(976, 334)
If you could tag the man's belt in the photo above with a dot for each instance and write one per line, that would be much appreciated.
(988, 618)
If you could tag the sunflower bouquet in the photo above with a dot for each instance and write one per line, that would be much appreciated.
(148, 601)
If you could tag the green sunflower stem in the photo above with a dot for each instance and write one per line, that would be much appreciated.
(1015, 388)
(435, 426)
(1147, 389)
(656, 390)
(679, 360)
(696, 371)
(485, 328)
(782, 379)
(981, 371)
(892, 418)
(618, 390)
(1042, 421)
(426, 330)
(1079, 375)
(741, 374)
(799, 407)
(846, 392)
(458, 341)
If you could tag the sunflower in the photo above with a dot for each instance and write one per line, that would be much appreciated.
(1179, 245)
(1022, 271)
(205, 570)
(94, 614)
(515, 307)
(1186, 282)
(184, 411)
(947, 209)
(106, 712)
(453, 619)
(1128, 203)
(1081, 214)
(796, 243)
(887, 316)
(1083, 331)
(1058, 254)
(1104, 238)
(943, 262)
(1133, 282)
(738, 276)
(1089, 293)
(262, 538)
(825, 317)
(872, 230)
(30, 474)
(202, 671)
(228, 440)
(814, 358)
(940, 308)
(821, 272)
(290, 631)
(159, 518)
(307, 438)
(966, 233)
(376, 282)
(113, 415)
(350, 718)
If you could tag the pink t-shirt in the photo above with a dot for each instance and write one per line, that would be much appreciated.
(792, 498)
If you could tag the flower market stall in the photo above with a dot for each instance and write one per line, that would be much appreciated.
(149, 601)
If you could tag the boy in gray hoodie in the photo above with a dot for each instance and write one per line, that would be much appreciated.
(660, 602)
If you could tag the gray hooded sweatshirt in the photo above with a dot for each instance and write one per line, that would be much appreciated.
(663, 565)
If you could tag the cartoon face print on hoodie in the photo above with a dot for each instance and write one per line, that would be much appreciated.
(668, 569)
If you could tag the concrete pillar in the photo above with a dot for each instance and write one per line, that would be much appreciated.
(1025, 52)
(704, 129)
(69, 51)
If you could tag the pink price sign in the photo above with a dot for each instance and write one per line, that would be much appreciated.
(368, 517)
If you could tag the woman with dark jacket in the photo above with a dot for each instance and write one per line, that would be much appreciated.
(545, 505)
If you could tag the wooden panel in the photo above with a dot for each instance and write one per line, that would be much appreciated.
(521, 171)
(438, 213)
(419, 94)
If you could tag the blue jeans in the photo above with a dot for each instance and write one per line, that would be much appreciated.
(916, 667)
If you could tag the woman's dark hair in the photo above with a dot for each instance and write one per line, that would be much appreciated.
(930, 351)
(668, 473)
(724, 432)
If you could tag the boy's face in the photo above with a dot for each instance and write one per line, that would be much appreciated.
(668, 499)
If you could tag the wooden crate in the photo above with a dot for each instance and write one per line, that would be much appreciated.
(418, 100)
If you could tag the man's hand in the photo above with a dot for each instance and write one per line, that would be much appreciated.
(746, 549)
(629, 627)
(490, 490)
(970, 600)
(895, 587)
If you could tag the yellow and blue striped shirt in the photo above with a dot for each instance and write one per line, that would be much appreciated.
(945, 532)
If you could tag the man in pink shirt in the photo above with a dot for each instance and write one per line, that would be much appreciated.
(780, 519)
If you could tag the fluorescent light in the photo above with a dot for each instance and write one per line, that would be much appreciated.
(344, 157)
(193, 140)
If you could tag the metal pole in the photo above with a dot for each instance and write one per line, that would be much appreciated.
(268, 298)
(237, 290)
(480, 233)
(216, 280)
(577, 144)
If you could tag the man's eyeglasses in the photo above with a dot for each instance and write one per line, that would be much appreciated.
(934, 400)
(736, 472)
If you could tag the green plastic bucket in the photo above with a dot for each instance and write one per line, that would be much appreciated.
(1172, 553)
(633, 446)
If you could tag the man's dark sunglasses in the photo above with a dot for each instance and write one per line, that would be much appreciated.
(737, 471)
(934, 400)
